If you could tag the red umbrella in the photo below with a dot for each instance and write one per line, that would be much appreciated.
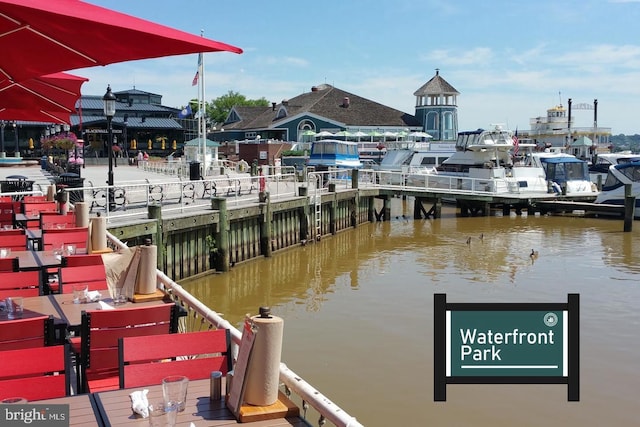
(40, 37)
(50, 98)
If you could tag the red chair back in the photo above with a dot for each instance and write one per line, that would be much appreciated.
(37, 207)
(56, 220)
(53, 237)
(100, 331)
(81, 260)
(95, 277)
(34, 199)
(9, 264)
(26, 333)
(7, 211)
(35, 373)
(192, 354)
(20, 284)
(15, 242)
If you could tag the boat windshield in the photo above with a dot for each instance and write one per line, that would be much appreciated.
(566, 171)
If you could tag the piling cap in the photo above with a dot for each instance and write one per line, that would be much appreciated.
(147, 242)
(265, 312)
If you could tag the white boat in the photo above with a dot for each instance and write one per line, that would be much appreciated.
(613, 190)
(565, 173)
(410, 157)
(483, 161)
(329, 154)
(603, 161)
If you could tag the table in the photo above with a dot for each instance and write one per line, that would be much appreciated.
(21, 220)
(115, 408)
(38, 260)
(45, 305)
(34, 238)
(82, 409)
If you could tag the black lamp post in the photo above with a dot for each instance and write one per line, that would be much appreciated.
(124, 134)
(109, 101)
(2, 125)
(15, 133)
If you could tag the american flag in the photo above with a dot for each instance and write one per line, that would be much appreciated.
(516, 144)
(194, 82)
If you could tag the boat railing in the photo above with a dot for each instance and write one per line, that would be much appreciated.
(200, 317)
(451, 184)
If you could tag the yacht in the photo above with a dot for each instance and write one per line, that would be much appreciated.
(484, 161)
(411, 157)
(603, 161)
(565, 173)
(613, 190)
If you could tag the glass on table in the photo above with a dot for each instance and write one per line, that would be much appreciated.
(14, 307)
(69, 249)
(174, 390)
(162, 414)
(5, 252)
(80, 293)
(119, 296)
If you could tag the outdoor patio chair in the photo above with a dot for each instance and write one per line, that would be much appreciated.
(192, 354)
(55, 220)
(35, 373)
(54, 237)
(97, 351)
(15, 242)
(27, 333)
(94, 276)
(9, 264)
(20, 284)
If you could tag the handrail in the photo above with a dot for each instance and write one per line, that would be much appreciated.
(328, 410)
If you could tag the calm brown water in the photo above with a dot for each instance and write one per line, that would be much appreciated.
(358, 311)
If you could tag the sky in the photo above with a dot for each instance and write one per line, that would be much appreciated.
(511, 60)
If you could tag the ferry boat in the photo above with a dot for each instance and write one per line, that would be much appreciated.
(613, 190)
(331, 154)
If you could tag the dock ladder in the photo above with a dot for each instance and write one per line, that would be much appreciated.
(317, 203)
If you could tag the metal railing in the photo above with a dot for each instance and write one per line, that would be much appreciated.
(133, 198)
(200, 317)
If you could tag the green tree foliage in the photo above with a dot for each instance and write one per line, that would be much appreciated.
(218, 109)
(623, 142)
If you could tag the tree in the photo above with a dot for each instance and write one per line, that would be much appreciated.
(218, 109)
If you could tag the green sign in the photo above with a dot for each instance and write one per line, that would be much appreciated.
(506, 343)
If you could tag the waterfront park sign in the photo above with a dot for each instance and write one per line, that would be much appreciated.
(506, 343)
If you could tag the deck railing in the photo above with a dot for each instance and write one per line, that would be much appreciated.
(199, 317)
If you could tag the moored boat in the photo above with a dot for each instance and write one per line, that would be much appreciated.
(613, 190)
(603, 161)
(483, 161)
(328, 154)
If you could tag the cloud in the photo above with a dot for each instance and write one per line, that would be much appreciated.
(476, 56)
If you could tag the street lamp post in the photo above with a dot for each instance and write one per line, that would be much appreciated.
(15, 134)
(124, 134)
(2, 125)
(109, 101)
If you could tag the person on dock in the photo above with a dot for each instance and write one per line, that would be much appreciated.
(263, 183)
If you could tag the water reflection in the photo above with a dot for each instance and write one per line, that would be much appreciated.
(358, 313)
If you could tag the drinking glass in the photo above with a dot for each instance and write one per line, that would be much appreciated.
(174, 390)
(119, 296)
(5, 252)
(69, 249)
(80, 293)
(162, 414)
(14, 307)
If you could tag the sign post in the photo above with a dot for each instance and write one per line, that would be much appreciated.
(506, 343)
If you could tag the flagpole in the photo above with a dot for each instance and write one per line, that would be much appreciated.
(202, 125)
